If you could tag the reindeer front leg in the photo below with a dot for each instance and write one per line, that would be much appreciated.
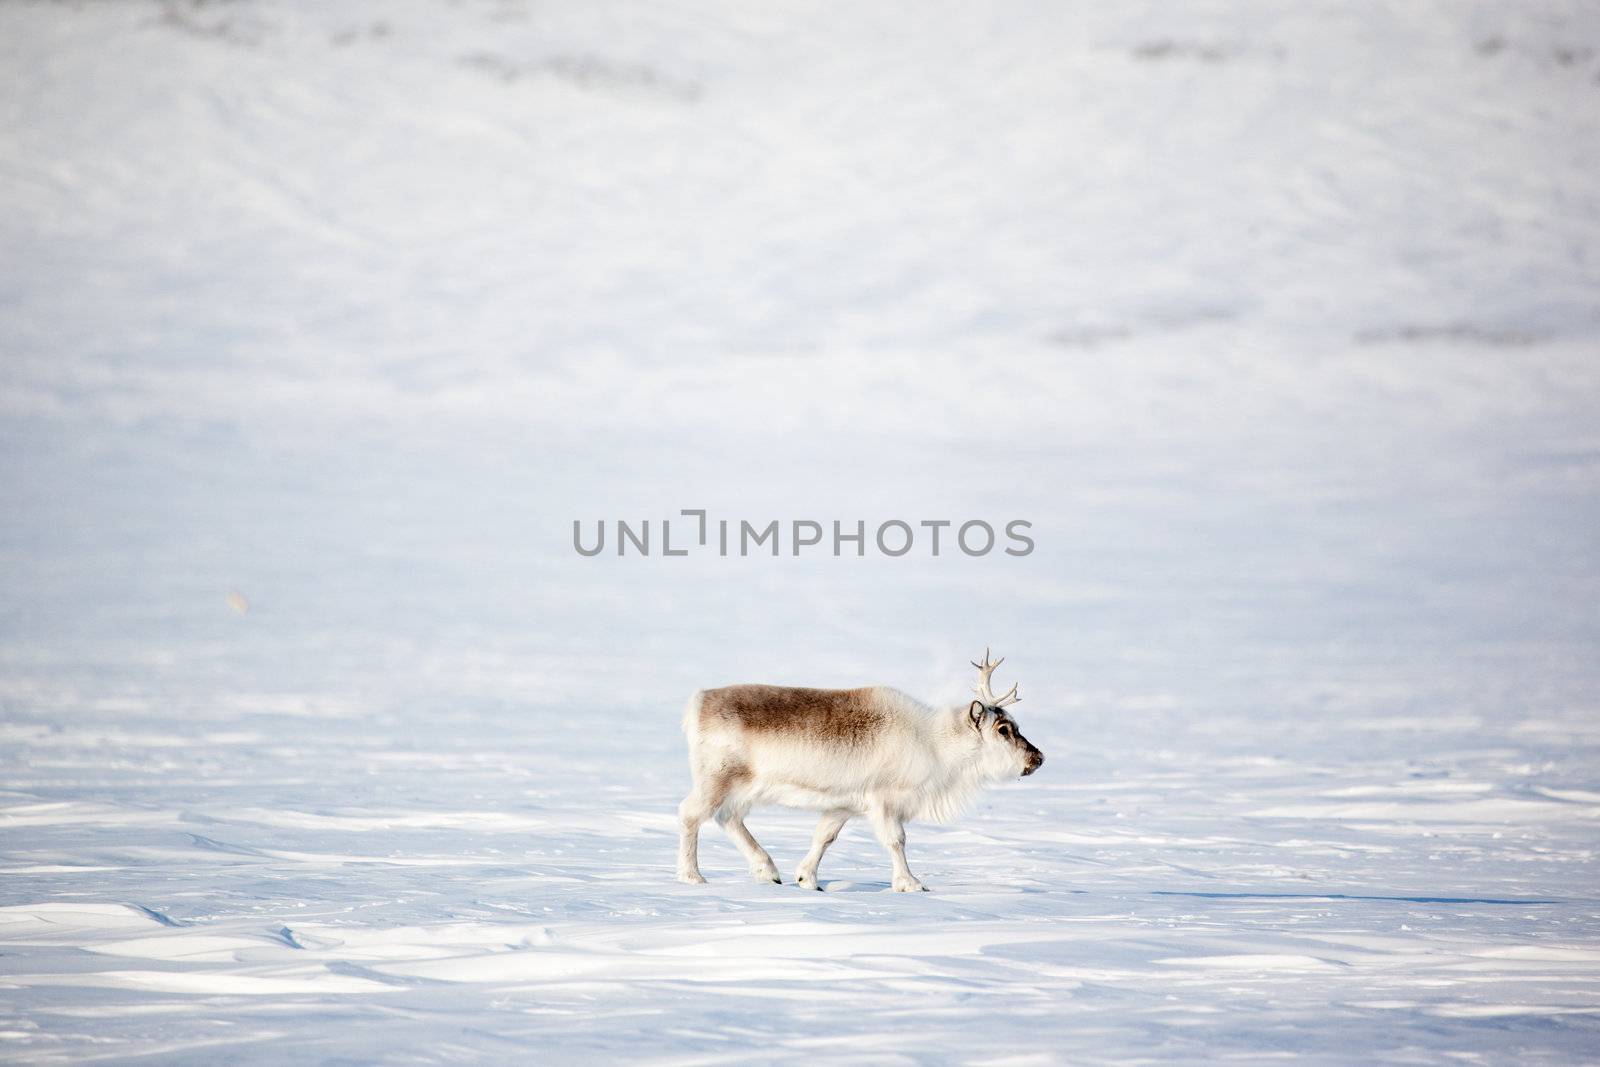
(891, 830)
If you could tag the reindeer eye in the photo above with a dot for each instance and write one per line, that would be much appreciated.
(1004, 730)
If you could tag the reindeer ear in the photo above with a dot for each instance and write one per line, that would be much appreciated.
(975, 714)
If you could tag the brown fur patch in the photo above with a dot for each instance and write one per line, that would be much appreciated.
(836, 716)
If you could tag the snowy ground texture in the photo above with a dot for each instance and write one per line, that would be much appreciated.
(319, 324)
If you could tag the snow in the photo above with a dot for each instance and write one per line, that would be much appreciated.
(322, 323)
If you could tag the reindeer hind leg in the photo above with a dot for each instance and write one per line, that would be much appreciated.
(827, 832)
(702, 802)
(731, 816)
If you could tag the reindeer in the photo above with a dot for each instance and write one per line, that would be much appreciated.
(844, 752)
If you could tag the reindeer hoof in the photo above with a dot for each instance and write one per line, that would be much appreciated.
(691, 878)
(910, 885)
(808, 883)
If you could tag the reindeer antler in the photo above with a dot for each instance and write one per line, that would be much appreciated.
(985, 669)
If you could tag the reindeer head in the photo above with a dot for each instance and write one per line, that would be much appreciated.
(1004, 751)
